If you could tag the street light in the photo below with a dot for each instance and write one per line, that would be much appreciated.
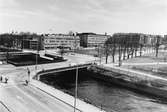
(28, 71)
(76, 89)
(36, 56)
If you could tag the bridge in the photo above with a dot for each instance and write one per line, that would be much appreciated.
(70, 67)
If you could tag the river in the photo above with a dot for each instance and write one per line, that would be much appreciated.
(103, 94)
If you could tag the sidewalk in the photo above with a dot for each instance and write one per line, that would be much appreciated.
(154, 63)
(131, 72)
(69, 100)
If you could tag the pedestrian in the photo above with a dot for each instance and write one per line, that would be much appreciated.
(6, 80)
(26, 82)
(1, 79)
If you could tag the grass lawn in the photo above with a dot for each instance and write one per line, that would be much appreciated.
(148, 58)
(155, 69)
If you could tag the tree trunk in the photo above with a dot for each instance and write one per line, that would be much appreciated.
(140, 50)
(113, 53)
(133, 52)
(124, 53)
(157, 48)
(136, 52)
(119, 56)
(106, 58)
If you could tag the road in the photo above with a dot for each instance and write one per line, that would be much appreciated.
(17, 97)
(22, 98)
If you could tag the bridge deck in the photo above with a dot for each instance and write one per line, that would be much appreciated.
(63, 69)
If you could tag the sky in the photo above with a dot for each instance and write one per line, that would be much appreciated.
(98, 16)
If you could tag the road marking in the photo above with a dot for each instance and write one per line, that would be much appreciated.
(54, 100)
(5, 106)
(33, 99)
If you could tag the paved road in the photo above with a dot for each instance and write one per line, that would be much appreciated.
(3, 107)
(21, 98)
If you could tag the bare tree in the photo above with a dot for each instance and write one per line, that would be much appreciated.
(157, 45)
(107, 52)
(62, 51)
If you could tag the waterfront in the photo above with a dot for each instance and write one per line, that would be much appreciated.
(103, 94)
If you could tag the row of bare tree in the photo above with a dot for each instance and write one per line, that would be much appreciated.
(127, 45)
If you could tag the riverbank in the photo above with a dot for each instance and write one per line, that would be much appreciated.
(65, 98)
(143, 82)
(81, 105)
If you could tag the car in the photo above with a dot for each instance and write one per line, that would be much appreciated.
(95, 55)
(73, 64)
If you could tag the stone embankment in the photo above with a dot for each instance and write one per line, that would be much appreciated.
(81, 105)
(147, 83)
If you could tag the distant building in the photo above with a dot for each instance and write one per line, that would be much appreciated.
(22, 41)
(164, 40)
(151, 40)
(137, 38)
(54, 41)
(33, 43)
(92, 39)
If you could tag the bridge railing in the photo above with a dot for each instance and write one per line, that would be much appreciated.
(42, 72)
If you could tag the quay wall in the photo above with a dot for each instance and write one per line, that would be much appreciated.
(122, 78)
(81, 105)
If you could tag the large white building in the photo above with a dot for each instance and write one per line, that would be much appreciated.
(92, 39)
(54, 41)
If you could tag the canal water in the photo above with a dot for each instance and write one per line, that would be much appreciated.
(104, 94)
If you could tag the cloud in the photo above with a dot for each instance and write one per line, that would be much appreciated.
(96, 15)
(8, 3)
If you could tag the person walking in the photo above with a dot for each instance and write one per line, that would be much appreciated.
(26, 82)
(6, 80)
(1, 78)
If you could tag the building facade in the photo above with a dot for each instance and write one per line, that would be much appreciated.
(22, 41)
(54, 41)
(137, 38)
(92, 39)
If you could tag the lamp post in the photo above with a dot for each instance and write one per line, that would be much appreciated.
(76, 89)
(28, 71)
(36, 56)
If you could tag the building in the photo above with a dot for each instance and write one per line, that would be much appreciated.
(32, 41)
(22, 41)
(32, 44)
(137, 38)
(92, 39)
(164, 40)
(54, 41)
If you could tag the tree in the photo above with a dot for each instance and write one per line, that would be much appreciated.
(157, 45)
(99, 51)
(107, 51)
(110, 48)
(141, 47)
(120, 54)
(62, 51)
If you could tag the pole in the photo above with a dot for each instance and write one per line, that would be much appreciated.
(36, 61)
(23, 44)
(76, 89)
(28, 70)
(100, 54)
(36, 57)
